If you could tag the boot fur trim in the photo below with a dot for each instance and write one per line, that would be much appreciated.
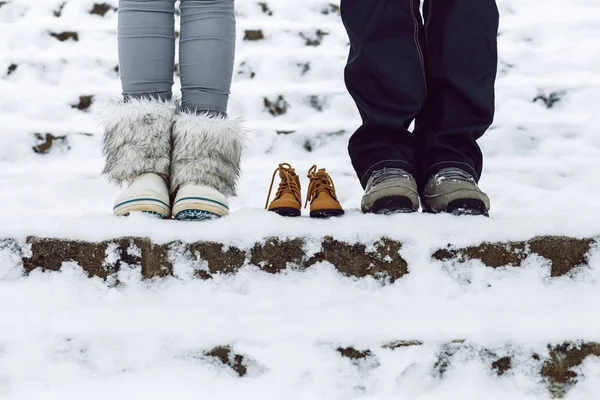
(207, 150)
(137, 138)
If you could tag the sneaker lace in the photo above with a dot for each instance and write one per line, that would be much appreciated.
(289, 182)
(382, 175)
(320, 182)
(453, 174)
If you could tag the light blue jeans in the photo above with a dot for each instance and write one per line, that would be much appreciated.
(207, 47)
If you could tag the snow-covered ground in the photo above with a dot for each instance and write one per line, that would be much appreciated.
(64, 336)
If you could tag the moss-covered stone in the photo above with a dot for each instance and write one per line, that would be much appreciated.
(64, 36)
(355, 260)
(558, 370)
(49, 254)
(402, 343)
(354, 354)
(45, 143)
(276, 107)
(254, 35)
(101, 9)
(380, 260)
(226, 356)
(220, 259)
(564, 253)
(502, 365)
(85, 102)
(274, 255)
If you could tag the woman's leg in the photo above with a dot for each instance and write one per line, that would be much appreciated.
(207, 146)
(147, 47)
(206, 54)
(137, 139)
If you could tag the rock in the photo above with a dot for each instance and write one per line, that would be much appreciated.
(276, 107)
(355, 260)
(58, 12)
(330, 9)
(550, 99)
(226, 356)
(559, 369)
(246, 70)
(564, 253)
(48, 142)
(502, 365)
(317, 102)
(313, 39)
(220, 259)
(274, 255)
(353, 354)
(304, 67)
(84, 103)
(101, 9)
(63, 36)
(11, 68)
(402, 343)
(254, 35)
(265, 8)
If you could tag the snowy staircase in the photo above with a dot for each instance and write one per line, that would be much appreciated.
(256, 306)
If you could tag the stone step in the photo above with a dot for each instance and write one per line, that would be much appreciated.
(382, 259)
(558, 366)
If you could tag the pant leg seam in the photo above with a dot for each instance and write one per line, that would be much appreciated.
(418, 44)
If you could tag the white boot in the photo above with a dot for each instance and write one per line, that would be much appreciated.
(198, 202)
(147, 193)
(205, 164)
(137, 149)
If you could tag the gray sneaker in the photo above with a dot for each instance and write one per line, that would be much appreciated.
(390, 191)
(454, 191)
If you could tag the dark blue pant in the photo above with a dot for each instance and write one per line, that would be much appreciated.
(440, 74)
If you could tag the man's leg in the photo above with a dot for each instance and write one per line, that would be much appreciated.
(385, 76)
(461, 62)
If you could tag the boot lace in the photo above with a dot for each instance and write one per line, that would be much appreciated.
(289, 182)
(320, 182)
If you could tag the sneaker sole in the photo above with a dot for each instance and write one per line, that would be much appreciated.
(323, 214)
(199, 209)
(458, 202)
(148, 206)
(392, 205)
(467, 207)
(286, 211)
(462, 207)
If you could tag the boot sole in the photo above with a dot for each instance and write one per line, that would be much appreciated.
(199, 209)
(286, 211)
(323, 214)
(147, 206)
(196, 215)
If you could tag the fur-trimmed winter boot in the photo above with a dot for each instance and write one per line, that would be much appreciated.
(137, 150)
(205, 164)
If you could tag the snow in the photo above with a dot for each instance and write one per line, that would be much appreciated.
(63, 335)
